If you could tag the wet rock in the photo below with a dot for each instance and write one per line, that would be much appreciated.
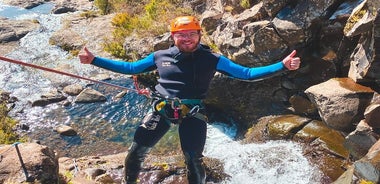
(324, 147)
(39, 164)
(90, 95)
(73, 89)
(53, 96)
(360, 141)
(346, 177)
(340, 101)
(286, 126)
(65, 130)
(14, 30)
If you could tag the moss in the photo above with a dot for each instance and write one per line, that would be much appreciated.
(354, 19)
(245, 4)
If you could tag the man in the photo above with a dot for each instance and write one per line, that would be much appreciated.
(185, 71)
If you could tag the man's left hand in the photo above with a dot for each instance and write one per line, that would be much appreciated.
(291, 62)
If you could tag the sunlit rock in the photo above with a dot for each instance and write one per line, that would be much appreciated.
(90, 95)
(340, 101)
(73, 89)
(284, 127)
(65, 130)
(39, 164)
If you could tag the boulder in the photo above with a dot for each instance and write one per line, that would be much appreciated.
(368, 167)
(360, 141)
(73, 89)
(52, 97)
(65, 130)
(90, 95)
(28, 162)
(340, 101)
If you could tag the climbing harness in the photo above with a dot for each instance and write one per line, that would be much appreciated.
(175, 109)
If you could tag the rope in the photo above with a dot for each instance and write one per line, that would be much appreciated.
(65, 73)
(2, 153)
(28, 179)
(145, 92)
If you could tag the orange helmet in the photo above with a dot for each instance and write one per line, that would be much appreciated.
(185, 23)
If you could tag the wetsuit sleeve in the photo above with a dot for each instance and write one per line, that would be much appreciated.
(143, 65)
(228, 67)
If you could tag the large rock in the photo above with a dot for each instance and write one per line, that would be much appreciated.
(340, 101)
(28, 162)
(360, 141)
(324, 148)
(90, 95)
(365, 21)
(368, 167)
(13, 30)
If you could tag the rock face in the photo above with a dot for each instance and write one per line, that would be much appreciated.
(28, 162)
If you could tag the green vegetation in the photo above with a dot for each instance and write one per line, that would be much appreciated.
(140, 18)
(7, 135)
(103, 6)
(245, 4)
(353, 19)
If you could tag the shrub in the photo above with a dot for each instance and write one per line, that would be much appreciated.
(7, 135)
(103, 6)
(153, 20)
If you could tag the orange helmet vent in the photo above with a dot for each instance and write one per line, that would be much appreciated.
(185, 23)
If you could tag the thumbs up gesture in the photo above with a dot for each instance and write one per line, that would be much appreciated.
(85, 56)
(291, 62)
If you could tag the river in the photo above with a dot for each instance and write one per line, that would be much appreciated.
(108, 127)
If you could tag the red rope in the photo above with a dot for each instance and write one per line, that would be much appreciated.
(67, 74)
(145, 92)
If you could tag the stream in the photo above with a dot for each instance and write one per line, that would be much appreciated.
(108, 127)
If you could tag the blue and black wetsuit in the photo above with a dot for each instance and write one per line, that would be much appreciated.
(185, 76)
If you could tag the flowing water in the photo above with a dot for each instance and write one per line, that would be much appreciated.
(108, 127)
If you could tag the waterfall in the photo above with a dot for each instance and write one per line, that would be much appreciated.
(269, 162)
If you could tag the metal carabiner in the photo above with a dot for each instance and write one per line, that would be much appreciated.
(194, 110)
(176, 103)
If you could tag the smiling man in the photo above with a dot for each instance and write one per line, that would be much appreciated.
(185, 72)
